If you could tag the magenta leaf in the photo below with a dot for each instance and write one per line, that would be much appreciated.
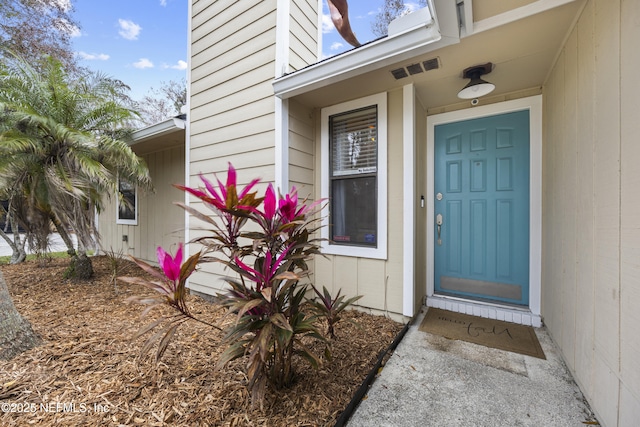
(170, 265)
(231, 176)
(288, 205)
(269, 203)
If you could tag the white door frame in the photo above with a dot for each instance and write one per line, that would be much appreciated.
(527, 316)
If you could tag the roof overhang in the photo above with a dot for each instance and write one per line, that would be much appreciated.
(418, 34)
(522, 38)
(159, 136)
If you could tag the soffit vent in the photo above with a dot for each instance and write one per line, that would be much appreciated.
(431, 64)
(412, 69)
(399, 73)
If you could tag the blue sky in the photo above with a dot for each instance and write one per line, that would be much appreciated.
(141, 42)
(144, 42)
(361, 14)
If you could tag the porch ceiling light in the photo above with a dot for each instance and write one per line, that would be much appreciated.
(476, 87)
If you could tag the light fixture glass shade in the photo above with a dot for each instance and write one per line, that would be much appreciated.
(476, 88)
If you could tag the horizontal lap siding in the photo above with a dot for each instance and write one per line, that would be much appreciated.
(303, 34)
(242, 115)
(303, 46)
(232, 114)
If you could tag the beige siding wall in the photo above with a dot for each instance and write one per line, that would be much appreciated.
(160, 223)
(420, 235)
(233, 109)
(591, 207)
(232, 106)
(303, 35)
(378, 281)
(301, 149)
(488, 8)
(232, 117)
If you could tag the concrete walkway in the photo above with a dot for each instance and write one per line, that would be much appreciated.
(433, 381)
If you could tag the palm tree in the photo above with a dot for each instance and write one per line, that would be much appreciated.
(62, 151)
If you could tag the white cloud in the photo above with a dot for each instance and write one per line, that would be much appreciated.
(412, 7)
(74, 31)
(327, 24)
(129, 29)
(336, 46)
(68, 28)
(180, 65)
(63, 4)
(143, 63)
(93, 56)
(163, 2)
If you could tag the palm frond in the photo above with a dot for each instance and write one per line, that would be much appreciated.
(58, 140)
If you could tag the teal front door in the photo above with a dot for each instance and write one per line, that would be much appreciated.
(481, 208)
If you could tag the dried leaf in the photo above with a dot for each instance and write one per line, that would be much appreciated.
(100, 324)
(162, 347)
(266, 293)
(287, 275)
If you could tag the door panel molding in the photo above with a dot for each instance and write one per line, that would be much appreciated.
(534, 106)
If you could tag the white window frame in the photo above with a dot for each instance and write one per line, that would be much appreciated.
(380, 251)
(135, 207)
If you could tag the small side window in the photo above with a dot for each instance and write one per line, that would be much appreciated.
(127, 210)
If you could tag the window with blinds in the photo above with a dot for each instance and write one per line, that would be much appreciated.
(353, 175)
(354, 142)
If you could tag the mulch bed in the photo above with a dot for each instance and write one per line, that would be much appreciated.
(88, 371)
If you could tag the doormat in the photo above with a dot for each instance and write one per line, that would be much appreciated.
(487, 332)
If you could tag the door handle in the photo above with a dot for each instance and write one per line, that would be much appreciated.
(439, 227)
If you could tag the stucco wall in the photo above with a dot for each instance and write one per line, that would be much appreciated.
(160, 223)
(591, 207)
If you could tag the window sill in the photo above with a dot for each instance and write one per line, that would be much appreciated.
(354, 251)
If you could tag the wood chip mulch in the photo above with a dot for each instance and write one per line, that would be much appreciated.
(88, 371)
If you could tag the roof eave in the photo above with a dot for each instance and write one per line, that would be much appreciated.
(170, 125)
(418, 40)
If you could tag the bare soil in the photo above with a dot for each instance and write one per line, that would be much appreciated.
(88, 371)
